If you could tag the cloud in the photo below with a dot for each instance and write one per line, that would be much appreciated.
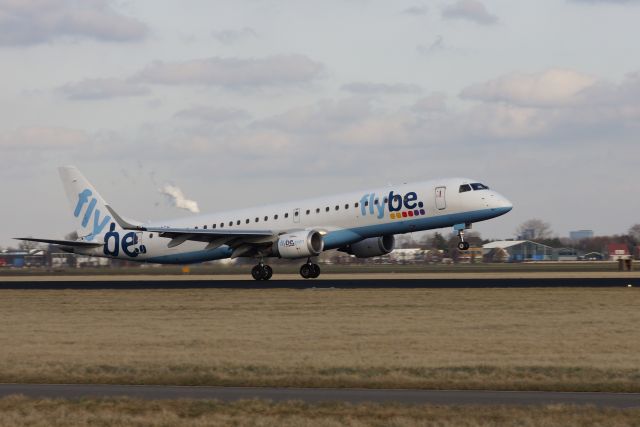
(435, 46)
(213, 114)
(274, 70)
(549, 88)
(29, 22)
(93, 89)
(44, 138)
(431, 103)
(607, 1)
(176, 198)
(471, 10)
(230, 37)
(416, 10)
(367, 88)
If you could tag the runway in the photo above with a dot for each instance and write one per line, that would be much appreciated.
(341, 282)
(315, 395)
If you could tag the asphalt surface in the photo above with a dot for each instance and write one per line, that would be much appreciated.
(314, 395)
(429, 283)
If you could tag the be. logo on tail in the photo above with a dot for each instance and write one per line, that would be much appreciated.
(112, 241)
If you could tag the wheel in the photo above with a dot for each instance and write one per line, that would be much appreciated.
(315, 271)
(463, 246)
(268, 272)
(305, 271)
(258, 272)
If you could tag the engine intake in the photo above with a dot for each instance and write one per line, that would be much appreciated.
(302, 244)
(373, 246)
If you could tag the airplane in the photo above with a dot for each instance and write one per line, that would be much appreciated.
(361, 223)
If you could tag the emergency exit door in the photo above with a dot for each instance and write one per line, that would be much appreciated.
(441, 200)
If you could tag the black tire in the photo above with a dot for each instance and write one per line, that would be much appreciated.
(268, 272)
(463, 246)
(305, 271)
(466, 246)
(315, 271)
(257, 272)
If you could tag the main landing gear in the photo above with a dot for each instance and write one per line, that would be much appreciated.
(262, 271)
(309, 270)
(462, 245)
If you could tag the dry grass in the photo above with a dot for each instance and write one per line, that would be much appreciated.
(561, 339)
(19, 411)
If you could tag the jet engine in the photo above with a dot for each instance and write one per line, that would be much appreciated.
(373, 246)
(301, 244)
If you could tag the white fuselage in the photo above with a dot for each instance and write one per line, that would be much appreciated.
(342, 219)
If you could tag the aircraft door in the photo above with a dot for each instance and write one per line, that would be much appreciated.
(441, 201)
(296, 215)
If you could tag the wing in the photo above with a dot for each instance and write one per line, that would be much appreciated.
(243, 242)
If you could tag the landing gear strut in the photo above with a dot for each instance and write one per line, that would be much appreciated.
(310, 270)
(261, 272)
(462, 245)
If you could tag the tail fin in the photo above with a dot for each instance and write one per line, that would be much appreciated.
(88, 207)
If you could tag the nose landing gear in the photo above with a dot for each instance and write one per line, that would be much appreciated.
(462, 245)
(310, 270)
(261, 272)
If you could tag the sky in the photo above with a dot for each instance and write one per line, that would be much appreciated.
(242, 103)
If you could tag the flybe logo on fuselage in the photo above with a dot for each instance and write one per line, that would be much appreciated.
(397, 205)
(98, 222)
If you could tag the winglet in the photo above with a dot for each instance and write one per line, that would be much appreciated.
(124, 223)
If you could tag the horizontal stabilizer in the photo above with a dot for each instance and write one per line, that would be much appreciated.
(73, 243)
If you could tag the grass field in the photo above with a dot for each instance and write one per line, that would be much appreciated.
(541, 339)
(19, 411)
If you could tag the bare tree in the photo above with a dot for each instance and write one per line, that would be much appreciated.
(534, 229)
(634, 232)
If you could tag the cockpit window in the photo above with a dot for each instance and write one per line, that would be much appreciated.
(464, 188)
(478, 186)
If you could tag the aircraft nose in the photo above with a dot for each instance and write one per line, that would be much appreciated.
(501, 204)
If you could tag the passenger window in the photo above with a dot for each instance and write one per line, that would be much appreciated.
(276, 216)
(257, 219)
(230, 223)
(205, 227)
(196, 227)
(213, 226)
(296, 213)
(266, 218)
(222, 225)
(356, 204)
(317, 210)
(238, 222)
(346, 206)
(464, 188)
(308, 211)
(366, 203)
(151, 236)
(326, 209)
(375, 202)
(337, 207)
(286, 215)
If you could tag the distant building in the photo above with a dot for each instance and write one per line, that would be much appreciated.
(566, 254)
(516, 251)
(618, 251)
(580, 234)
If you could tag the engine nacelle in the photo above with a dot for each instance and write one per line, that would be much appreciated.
(373, 246)
(301, 244)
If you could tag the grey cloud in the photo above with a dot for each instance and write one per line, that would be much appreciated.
(93, 89)
(274, 70)
(43, 138)
(234, 36)
(213, 114)
(435, 46)
(416, 10)
(471, 10)
(368, 88)
(432, 103)
(31, 22)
